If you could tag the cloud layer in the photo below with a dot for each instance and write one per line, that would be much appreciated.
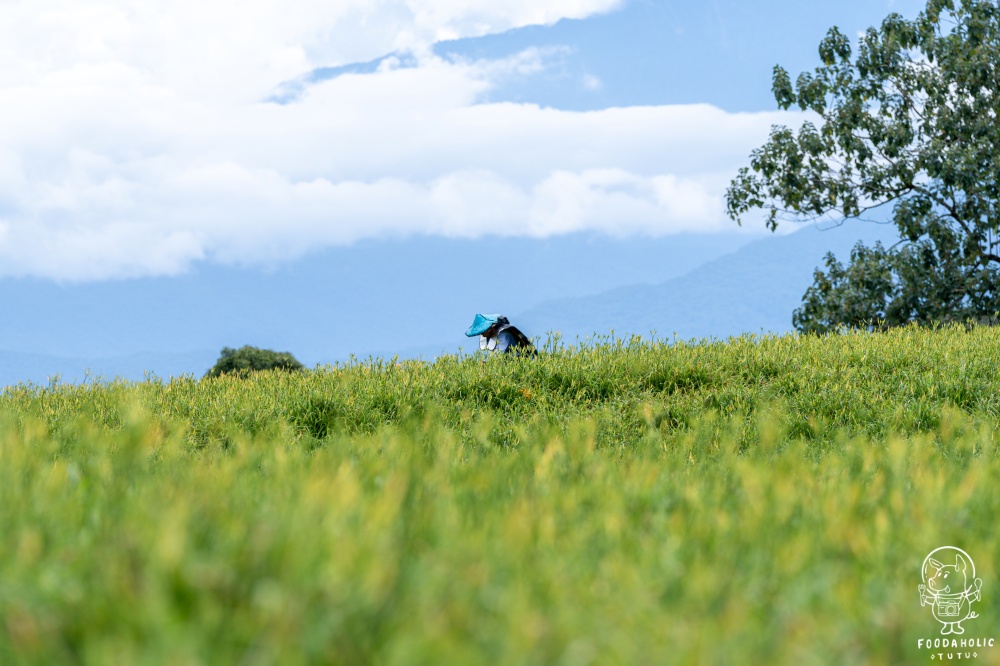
(137, 139)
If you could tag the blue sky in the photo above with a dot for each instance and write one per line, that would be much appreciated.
(144, 139)
(719, 52)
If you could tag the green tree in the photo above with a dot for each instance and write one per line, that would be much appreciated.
(909, 122)
(247, 359)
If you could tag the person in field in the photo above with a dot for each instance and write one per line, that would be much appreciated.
(497, 334)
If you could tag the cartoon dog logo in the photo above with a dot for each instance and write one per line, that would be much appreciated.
(946, 589)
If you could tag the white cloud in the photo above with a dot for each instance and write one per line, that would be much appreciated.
(135, 139)
(591, 82)
(238, 49)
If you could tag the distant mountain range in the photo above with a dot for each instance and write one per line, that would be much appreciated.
(754, 289)
(412, 298)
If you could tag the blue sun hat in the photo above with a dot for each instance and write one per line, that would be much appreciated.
(481, 324)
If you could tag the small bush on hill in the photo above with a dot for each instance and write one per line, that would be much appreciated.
(246, 359)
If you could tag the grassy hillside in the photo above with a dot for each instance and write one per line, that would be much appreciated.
(743, 502)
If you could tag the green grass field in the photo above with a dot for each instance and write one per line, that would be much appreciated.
(748, 502)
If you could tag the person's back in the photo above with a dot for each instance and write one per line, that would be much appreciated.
(496, 333)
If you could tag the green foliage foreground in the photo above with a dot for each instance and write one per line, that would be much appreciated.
(756, 501)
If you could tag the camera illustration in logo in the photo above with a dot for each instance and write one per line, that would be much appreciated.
(946, 573)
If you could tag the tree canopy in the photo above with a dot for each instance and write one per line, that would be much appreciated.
(247, 359)
(909, 122)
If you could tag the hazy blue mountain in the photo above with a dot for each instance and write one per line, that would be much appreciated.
(414, 297)
(41, 369)
(754, 289)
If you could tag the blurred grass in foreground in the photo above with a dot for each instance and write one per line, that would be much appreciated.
(744, 502)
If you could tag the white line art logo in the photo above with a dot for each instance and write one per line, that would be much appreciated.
(950, 587)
